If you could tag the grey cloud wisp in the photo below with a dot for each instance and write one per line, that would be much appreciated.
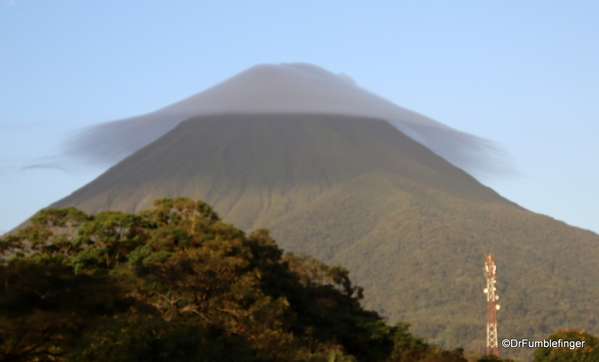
(283, 88)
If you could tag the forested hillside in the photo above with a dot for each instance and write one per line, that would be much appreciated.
(354, 191)
(174, 283)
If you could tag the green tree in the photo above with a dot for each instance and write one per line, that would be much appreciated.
(106, 239)
(175, 283)
(588, 353)
(50, 235)
(328, 309)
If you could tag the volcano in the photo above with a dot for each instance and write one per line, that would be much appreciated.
(352, 179)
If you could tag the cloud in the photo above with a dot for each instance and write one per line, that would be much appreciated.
(347, 78)
(285, 88)
(44, 166)
(60, 162)
(476, 155)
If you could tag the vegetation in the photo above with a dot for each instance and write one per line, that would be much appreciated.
(570, 352)
(351, 191)
(174, 283)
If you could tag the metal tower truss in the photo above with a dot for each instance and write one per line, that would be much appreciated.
(492, 306)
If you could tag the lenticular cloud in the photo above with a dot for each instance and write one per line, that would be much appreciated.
(283, 88)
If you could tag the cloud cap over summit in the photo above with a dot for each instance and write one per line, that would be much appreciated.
(283, 88)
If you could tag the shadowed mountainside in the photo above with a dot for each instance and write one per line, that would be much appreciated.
(295, 158)
(355, 191)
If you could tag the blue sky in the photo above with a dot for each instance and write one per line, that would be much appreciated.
(524, 74)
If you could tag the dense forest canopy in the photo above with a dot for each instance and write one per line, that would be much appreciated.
(174, 283)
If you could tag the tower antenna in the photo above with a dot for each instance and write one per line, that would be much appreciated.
(492, 307)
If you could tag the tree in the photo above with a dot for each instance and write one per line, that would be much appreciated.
(569, 353)
(175, 283)
(44, 309)
(106, 239)
(156, 340)
(50, 235)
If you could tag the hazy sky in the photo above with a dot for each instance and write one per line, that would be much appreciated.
(523, 74)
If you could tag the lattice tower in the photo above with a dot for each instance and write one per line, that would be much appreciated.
(492, 306)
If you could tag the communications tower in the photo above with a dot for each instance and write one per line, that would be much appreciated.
(492, 307)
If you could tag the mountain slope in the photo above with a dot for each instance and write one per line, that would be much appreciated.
(411, 227)
(220, 158)
(419, 253)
